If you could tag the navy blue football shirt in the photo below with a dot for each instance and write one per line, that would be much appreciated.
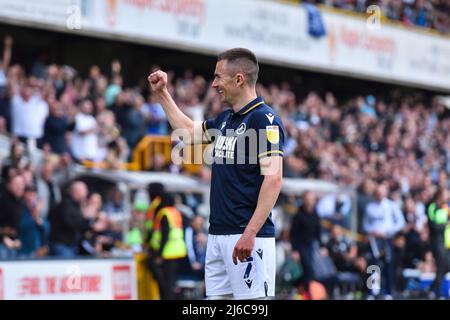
(240, 140)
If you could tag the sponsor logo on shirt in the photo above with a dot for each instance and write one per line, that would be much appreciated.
(225, 147)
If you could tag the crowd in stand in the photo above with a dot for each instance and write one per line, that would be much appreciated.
(394, 150)
(433, 14)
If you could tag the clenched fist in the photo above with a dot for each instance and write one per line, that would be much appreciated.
(158, 81)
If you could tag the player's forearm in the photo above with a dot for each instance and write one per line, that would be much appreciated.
(268, 195)
(177, 119)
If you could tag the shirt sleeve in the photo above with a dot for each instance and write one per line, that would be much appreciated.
(211, 126)
(270, 132)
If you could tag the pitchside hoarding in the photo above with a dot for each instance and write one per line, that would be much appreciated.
(103, 279)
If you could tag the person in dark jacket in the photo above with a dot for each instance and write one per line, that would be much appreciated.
(10, 214)
(34, 229)
(67, 222)
(134, 126)
(55, 128)
(305, 230)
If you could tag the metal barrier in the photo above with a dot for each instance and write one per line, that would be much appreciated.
(151, 146)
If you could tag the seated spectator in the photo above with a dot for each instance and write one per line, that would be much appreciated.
(97, 239)
(195, 237)
(10, 216)
(344, 251)
(47, 188)
(34, 230)
(68, 223)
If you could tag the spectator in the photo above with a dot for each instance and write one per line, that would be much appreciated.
(136, 235)
(10, 216)
(134, 124)
(97, 239)
(47, 189)
(34, 230)
(305, 230)
(5, 60)
(383, 219)
(28, 111)
(85, 138)
(344, 252)
(68, 223)
(414, 233)
(114, 206)
(335, 208)
(155, 117)
(195, 237)
(55, 128)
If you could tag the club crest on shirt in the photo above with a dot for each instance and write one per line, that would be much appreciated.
(273, 134)
(241, 128)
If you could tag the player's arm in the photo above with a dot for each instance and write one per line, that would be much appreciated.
(177, 119)
(272, 169)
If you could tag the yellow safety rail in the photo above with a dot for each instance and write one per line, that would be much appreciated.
(152, 146)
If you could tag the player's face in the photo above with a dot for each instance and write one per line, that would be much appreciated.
(224, 82)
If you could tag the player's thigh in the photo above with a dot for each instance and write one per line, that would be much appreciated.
(254, 278)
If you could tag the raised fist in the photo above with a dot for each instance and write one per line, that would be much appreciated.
(158, 81)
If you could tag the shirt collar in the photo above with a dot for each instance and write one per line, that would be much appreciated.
(251, 105)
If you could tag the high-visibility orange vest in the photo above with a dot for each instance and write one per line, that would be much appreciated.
(151, 213)
(175, 246)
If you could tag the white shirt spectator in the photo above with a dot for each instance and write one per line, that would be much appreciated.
(28, 117)
(327, 206)
(383, 217)
(85, 146)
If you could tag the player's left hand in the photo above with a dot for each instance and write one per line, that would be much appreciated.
(243, 248)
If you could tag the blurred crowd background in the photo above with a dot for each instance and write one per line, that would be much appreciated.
(391, 146)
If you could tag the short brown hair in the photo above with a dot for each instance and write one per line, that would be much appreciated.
(244, 61)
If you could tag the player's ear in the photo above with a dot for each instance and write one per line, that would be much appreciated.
(240, 79)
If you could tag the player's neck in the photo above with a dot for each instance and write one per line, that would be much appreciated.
(244, 99)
